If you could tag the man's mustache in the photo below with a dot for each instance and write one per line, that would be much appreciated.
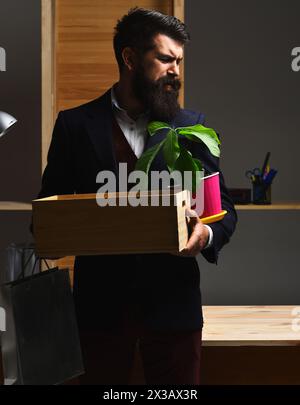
(169, 81)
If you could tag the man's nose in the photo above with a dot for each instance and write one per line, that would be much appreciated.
(174, 70)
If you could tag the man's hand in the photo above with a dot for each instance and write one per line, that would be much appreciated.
(199, 235)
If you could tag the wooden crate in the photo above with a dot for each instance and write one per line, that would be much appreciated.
(76, 225)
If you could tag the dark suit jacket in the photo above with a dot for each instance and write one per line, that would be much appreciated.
(163, 290)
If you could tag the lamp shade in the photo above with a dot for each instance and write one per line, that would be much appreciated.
(6, 122)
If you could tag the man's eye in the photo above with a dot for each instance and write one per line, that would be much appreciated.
(164, 60)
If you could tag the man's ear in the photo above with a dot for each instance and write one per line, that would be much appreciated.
(129, 58)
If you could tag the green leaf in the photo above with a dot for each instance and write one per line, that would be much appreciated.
(198, 163)
(144, 162)
(201, 129)
(186, 162)
(199, 133)
(171, 149)
(154, 126)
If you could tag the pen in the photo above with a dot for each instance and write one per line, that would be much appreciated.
(263, 169)
(269, 177)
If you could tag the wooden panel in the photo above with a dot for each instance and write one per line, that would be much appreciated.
(67, 262)
(250, 365)
(48, 76)
(241, 366)
(178, 11)
(85, 62)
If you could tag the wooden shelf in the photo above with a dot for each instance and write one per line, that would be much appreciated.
(273, 206)
(15, 206)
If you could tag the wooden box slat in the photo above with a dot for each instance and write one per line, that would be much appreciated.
(75, 225)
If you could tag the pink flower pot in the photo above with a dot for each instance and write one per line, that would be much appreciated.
(212, 195)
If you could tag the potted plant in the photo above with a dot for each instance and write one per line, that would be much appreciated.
(176, 156)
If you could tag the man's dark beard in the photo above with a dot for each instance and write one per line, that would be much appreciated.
(161, 104)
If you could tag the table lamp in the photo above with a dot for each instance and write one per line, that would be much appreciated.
(6, 122)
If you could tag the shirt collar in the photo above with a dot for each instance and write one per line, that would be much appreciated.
(116, 105)
(114, 100)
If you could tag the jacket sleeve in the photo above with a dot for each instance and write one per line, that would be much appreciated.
(223, 229)
(58, 176)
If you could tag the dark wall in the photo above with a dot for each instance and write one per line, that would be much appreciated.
(260, 266)
(20, 95)
(238, 72)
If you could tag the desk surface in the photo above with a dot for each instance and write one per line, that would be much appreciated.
(251, 325)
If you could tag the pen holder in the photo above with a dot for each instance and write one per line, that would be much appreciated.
(261, 194)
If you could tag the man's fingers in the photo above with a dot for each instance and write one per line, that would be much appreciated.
(189, 213)
(193, 246)
(193, 239)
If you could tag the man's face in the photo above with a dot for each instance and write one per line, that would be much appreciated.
(156, 78)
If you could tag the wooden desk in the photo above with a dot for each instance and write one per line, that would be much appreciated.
(251, 345)
(246, 345)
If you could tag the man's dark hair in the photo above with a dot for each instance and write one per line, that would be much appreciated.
(138, 28)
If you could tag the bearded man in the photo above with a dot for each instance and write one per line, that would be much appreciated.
(152, 299)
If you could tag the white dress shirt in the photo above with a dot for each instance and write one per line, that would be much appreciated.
(135, 131)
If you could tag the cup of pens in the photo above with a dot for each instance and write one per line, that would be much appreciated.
(260, 193)
(261, 182)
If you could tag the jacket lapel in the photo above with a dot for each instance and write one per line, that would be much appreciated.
(99, 129)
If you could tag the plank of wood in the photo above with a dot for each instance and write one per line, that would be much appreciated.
(250, 326)
(48, 76)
